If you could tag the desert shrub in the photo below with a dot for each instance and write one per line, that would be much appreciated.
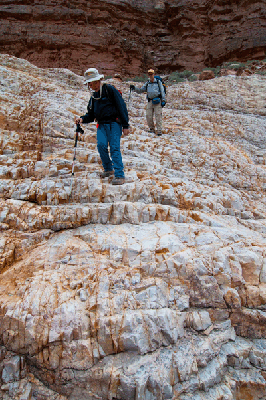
(192, 78)
(180, 76)
(142, 78)
(252, 62)
(215, 70)
(234, 65)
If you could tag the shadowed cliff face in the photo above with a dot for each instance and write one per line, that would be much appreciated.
(128, 36)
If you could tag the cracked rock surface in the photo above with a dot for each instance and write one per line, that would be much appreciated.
(155, 289)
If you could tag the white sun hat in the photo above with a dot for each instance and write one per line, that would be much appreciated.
(92, 75)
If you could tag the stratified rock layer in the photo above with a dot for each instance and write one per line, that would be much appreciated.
(155, 289)
(129, 36)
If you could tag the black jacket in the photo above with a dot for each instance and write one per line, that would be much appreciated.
(109, 108)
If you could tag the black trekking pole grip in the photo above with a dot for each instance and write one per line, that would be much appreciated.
(76, 139)
(79, 129)
(75, 148)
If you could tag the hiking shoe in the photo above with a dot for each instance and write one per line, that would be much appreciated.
(152, 130)
(105, 174)
(159, 133)
(118, 181)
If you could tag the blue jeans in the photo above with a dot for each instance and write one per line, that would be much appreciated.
(110, 134)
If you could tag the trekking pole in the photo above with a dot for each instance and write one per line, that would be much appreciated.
(129, 97)
(78, 129)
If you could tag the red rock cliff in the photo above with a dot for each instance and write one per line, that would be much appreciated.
(128, 36)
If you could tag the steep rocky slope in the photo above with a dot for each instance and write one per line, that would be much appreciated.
(152, 290)
(128, 36)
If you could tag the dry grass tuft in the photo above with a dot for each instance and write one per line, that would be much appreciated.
(28, 119)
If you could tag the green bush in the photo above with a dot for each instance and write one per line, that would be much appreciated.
(234, 65)
(215, 70)
(180, 76)
(192, 78)
(252, 61)
(142, 78)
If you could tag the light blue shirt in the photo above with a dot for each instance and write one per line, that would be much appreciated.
(153, 89)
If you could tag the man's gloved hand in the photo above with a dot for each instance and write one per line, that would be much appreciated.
(132, 87)
(163, 103)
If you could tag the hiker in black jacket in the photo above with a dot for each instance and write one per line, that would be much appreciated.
(107, 107)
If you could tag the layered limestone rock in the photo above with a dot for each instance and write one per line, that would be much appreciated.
(155, 289)
(129, 36)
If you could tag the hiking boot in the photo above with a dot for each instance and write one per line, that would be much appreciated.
(105, 174)
(118, 181)
(159, 133)
(152, 130)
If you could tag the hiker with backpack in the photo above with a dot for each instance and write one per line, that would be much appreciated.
(107, 107)
(156, 100)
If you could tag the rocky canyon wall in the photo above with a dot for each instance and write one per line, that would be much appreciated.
(128, 36)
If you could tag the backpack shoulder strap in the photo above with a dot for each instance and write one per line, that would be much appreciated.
(158, 79)
(108, 91)
(105, 90)
(90, 105)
